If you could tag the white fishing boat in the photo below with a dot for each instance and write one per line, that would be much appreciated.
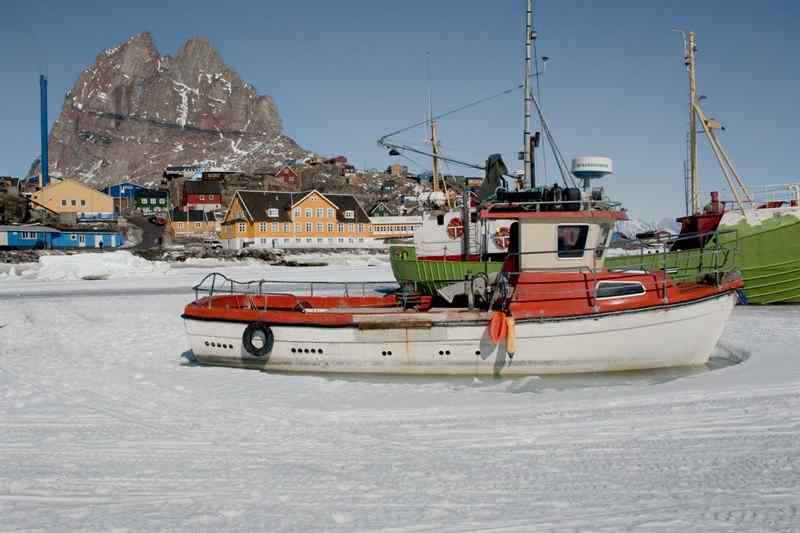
(554, 308)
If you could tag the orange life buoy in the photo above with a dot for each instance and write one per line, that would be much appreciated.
(455, 228)
(498, 327)
(502, 237)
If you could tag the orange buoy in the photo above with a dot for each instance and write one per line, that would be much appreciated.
(511, 336)
(498, 327)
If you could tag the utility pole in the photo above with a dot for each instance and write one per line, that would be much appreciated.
(694, 200)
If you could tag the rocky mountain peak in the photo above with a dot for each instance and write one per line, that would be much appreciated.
(135, 111)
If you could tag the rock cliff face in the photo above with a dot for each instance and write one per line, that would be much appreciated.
(134, 112)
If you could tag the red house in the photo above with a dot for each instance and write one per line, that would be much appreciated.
(202, 195)
(289, 176)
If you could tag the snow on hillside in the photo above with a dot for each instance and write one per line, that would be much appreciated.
(106, 426)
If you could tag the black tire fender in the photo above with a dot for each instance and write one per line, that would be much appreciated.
(263, 336)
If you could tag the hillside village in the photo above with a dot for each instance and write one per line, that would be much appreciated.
(308, 204)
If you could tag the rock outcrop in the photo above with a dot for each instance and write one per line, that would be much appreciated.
(134, 112)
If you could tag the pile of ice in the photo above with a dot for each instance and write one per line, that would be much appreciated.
(108, 265)
(341, 258)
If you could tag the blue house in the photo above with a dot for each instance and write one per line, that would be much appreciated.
(44, 237)
(124, 194)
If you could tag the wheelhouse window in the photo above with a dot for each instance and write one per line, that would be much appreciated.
(572, 240)
(618, 289)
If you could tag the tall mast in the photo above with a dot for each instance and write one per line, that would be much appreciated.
(526, 137)
(694, 186)
(432, 124)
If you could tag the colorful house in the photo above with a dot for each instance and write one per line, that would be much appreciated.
(44, 237)
(288, 176)
(70, 196)
(150, 201)
(308, 219)
(380, 209)
(193, 223)
(202, 195)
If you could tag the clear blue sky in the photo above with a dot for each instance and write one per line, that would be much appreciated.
(344, 73)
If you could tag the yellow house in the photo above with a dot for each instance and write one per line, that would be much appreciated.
(308, 219)
(70, 196)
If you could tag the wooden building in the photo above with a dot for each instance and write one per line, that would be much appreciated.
(70, 196)
(307, 219)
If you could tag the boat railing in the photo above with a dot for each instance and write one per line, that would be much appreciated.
(583, 204)
(216, 284)
(768, 196)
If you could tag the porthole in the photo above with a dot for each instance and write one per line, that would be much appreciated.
(383, 353)
(319, 351)
(206, 343)
(477, 352)
(447, 352)
(306, 350)
(293, 350)
(441, 352)
(313, 350)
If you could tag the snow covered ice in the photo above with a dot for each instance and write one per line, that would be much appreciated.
(105, 425)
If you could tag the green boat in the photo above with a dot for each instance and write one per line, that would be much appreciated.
(427, 276)
(766, 243)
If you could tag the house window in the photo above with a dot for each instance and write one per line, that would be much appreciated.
(242, 227)
(349, 214)
(162, 201)
(440, 220)
(180, 225)
(63, 203)
(286, 228)
(297, 212)
(73, 202)
(319, 228)
(262, 226)
(341, 239)
(330, 212)
(274, 227)
(320, 212)
(298, 228)
(618, 289)
(309, 212)
(197, 225)
(152, 201)
(272, 212)
(350, 227)
(28, 235)
(330, 228)
(572, 240)
(341, 228)
(309, 227)
(361, 228)
(83, 203)
(263, 240)
(309, 239)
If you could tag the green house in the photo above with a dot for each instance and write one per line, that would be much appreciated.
(149, 201)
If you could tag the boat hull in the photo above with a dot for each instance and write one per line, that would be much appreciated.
(678, 335)
(429, 275)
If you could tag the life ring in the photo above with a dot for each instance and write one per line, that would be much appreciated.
(258, 339)
(455, 228)
(502, 237)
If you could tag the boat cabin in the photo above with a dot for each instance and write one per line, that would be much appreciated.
(556, 240)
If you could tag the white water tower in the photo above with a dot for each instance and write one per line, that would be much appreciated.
(590, 168)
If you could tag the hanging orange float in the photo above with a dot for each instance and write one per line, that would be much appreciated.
(498, 327)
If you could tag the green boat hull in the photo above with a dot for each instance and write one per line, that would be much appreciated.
(428, 276)
(766, 253)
